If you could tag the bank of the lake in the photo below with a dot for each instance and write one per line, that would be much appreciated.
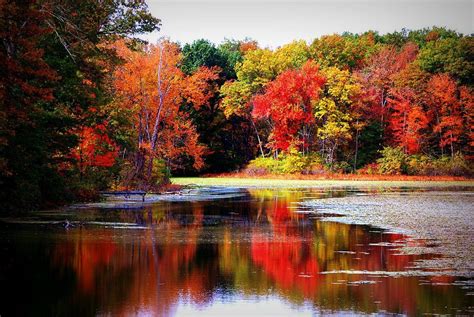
(316, 183)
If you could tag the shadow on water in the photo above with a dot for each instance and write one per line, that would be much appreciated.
(217, 256)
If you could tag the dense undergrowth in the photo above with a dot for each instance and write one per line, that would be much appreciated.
(393, 161)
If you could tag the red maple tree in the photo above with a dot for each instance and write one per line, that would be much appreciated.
(95, 148)
(288, 103)
(407, 121)
(447, 109)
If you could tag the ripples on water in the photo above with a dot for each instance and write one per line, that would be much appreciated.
(255, 252)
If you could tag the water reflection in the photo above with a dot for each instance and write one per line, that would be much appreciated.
(213, 257)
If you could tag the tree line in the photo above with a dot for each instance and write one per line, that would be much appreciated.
(87, 106)
(59, 134)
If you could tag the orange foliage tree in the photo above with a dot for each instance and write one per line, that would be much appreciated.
(466, 96)
(446, 106)
(151, 83)
(95, 148)
(377, 77)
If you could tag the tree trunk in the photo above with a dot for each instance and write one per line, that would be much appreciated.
(452, 147)
(356, 147)
(258, 137)
(161, 97)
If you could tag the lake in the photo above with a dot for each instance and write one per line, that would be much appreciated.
(254, 251)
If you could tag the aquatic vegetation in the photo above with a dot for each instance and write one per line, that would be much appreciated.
(443, 220)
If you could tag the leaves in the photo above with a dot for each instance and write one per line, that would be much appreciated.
(334, 111)
(152, 84)
(451, 55)
(95, 148)
(288, 102)
(408, 121)
(447, 109)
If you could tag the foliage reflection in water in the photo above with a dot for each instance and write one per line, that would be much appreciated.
(213, 257)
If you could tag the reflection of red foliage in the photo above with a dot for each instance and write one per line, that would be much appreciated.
(445, 279)
(85, 257)
(157, 270)
(282, 219)
(280, 214)
(288, 262)
(383, 257)
(285, 263)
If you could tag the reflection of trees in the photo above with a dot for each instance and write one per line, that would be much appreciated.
(292, 258)
(350, 247)
(281, 251)
(285, 255)
(85, 257)
(150, 272)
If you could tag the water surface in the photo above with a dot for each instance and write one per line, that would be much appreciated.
(255, 252)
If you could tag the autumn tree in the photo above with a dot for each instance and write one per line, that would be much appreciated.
(453, 56)
(247, 45)
(226, 150)
(333, 112)
(344, 52)
(447, 110)
(288, 102)
(258, 68)
(95, 148)
(466, 96)
(377, 76)
(53, 84)
(408, 121)
(26, 83)
(152, 83)
(421, 36)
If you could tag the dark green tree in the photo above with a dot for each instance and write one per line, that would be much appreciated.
(450, 55)
(226, 139)
(204, 53)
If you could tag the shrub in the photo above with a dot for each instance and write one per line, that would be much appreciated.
(393, 161)
(315, 165)
(160, 172)
(341, 167)
(292, 163)
(369, 169)
(455, 166)
(419, 165)
(288, 163)
(445, 165)
(261, 166)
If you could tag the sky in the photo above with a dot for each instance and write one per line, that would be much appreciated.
(276, 22)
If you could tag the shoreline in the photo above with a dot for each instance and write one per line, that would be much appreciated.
(249, 182)
(338, 176)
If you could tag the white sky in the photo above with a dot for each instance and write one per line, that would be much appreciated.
(276, 22)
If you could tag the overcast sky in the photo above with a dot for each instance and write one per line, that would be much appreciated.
(276, 22)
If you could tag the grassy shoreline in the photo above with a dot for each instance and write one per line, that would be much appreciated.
(280, 182)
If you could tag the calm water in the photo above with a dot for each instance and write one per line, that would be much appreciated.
(253, 254)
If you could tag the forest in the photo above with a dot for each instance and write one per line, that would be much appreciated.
(86, 105)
